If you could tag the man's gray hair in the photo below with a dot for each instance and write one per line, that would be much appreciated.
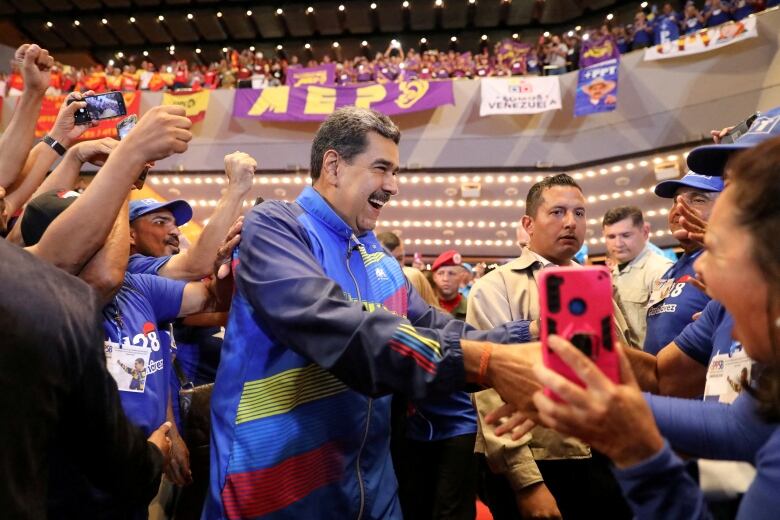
(345, 131)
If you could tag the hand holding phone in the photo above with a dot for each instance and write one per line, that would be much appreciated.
(122, 129)
(99, 107)
(576, 304)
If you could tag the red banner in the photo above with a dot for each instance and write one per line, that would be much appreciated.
(105, 128)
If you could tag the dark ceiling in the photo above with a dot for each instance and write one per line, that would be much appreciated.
(100, 29)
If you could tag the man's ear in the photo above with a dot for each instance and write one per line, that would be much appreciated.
(132, 235)
(646, 230)
(528, 224)
(330, 168)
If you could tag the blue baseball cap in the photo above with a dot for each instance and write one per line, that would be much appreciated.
(667, 189)
(182, 211)
(711, 159)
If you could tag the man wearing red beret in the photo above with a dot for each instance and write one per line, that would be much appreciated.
(447, 273)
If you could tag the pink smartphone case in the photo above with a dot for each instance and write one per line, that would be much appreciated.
(576, 304)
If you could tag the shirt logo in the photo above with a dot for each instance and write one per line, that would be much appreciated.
(380, 273)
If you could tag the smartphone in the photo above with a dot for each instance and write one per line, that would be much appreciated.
(122, 129)
(576, 304)
(100, 106)
(125, 125)
(737, 131)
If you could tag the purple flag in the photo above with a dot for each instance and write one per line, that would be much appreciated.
(508, 50)
(596, 50)
(321, 75)
(316, 103)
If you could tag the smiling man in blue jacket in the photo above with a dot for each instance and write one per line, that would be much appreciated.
(323, 328)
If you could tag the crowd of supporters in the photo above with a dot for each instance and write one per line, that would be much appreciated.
(550, 54)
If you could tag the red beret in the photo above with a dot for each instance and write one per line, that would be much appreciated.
(450, 257)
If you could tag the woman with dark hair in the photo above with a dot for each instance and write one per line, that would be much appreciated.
(741, 269)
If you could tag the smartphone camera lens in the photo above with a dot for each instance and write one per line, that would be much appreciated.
(577, 306)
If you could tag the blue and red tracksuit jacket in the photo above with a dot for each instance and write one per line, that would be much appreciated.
(319, 335)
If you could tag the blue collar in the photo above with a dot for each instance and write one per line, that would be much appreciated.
(313, 203)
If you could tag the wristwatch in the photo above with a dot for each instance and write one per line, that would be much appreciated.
(55, 145)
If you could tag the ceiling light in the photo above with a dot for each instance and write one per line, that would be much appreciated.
(454, 39)
(224, 49)
(342, 8)
(252, 48)
(132, 19)
(171, 52)
(219, 14)
(249, 12)
(76, 23)
(610, 16)
(279, 12)
(586, 36)
(643, 5)
(484, 37)
(146, 53)
(161, 18)
(335, 45)
(197, 51)
(49, 24)
(578, 28)
(173, 47)
(120, 54)
(307, 46)
(111, 63)
(570, 34)
(515, 36)
(472, 2)
(364, 43)
(373, 6)
(438, 3)
(279, 47)
(405, 5)
(105, 22)
(423, 40)
(190, 16)
(309, 10)
(546, 34)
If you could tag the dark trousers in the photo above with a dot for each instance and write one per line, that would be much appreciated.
(437, 479)
(583, 488)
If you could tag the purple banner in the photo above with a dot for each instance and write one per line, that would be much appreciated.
(321, 75)
(596, 50)
(315, 103)
(508, 50)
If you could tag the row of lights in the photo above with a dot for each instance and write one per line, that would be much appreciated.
(494, 243)
(481, 224)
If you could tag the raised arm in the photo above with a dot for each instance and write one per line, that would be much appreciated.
(196, 262)
(105, 271)
(82, 229)
(35, 64)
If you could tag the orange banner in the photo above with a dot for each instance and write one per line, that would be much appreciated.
(106, 128)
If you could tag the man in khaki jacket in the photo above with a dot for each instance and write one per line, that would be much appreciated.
(543, 474)
(637, 266)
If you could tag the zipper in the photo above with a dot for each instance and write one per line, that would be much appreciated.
(370, 400)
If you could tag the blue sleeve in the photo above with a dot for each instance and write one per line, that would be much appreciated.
(695, 340)
(423, 315)
(711, 430)
(375, 353)
(140, 264)
(661, 488)
(762, 500)
(164, 294)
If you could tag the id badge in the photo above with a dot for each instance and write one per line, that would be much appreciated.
(661, 290)
(726, 373)
(128, 365)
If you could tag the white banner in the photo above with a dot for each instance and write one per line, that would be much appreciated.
(705, 40)
(519, 95)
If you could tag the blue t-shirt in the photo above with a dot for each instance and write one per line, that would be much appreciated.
(642, 38)
(668, 315)
(710, 335)
(666, 29)
(718, 17)
(197, 348)
(692, 25)
(742, 9)
(137, 354)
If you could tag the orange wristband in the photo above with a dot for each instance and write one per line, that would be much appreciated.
(484, 359)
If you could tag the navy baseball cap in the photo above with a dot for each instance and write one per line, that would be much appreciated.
(711, 159)
(182, 211)
(666, 189)
(41, 211)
